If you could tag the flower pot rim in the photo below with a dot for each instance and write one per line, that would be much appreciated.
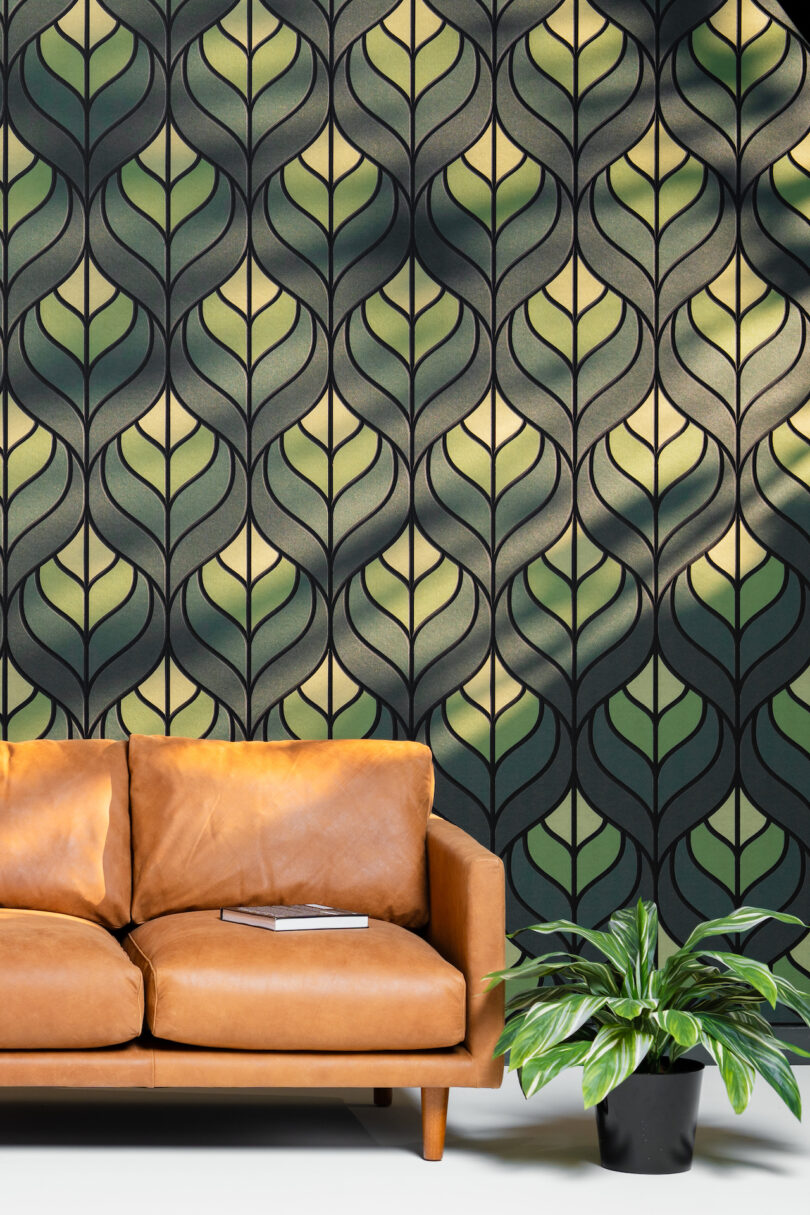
(681, 1067)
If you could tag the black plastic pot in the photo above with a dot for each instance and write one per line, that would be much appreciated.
(647, 1124)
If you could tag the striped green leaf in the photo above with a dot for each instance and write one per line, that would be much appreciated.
(676, 970)
(750, 971)
(601, 980)
(761, 1051)
(615, 1054)
(525, 999)
(531, 968)
(681, 1026)
(539, 1071)
(738, 1076)
(797, 1050)
(685, 978)
(750, 1018)
(543, 995)
(508, 1034)
(637, 930)
(791, 997)
(603, 941)
(741, 920)
(623, 1006)
(545, 1025)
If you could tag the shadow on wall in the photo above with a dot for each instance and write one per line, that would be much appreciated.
(799, 14)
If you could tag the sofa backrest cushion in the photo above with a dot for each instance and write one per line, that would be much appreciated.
(341, 822)
(64, 828)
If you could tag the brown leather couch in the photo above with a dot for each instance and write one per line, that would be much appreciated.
(117, 971)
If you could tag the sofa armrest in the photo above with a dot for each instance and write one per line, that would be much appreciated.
(467, 927)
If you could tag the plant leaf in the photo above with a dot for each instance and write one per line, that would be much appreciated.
(525, 999)
(615, 1054)
(792, 998)
(604, 942)
(508, 1034)
(545, 1025)
(686, 979)
(624, 929)
(637, 930)
(675, 973)
(601, 979)
(736, 993)
(750, 971)
(746, 1017)
(797, 1050)
(532, 972)
(623, 1006)
(647, 921)
(682, 1026)
(526, 969)
(737, 1074)
(538, 1071)
(763, 1052)
(741, 920)
(542, 995)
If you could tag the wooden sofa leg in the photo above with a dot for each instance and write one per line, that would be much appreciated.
(434, 1121)
(383, 1096)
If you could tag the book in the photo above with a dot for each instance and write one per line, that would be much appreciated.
(298, 918)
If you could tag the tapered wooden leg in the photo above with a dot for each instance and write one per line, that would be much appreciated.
(434, 1121)
(383, 1096)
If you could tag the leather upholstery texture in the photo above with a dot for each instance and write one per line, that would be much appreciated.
(128, 1066)
(64, 828)
(467, 914)
(64, 983)
(179, 1066)
(341, 822)
(212, 983)
(150, 1063)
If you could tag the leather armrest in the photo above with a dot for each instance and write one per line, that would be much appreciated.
(467, 927)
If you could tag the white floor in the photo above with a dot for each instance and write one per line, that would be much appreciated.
(331, 1151)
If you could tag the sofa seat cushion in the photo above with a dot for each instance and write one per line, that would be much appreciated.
(65, 984)
(212, 983)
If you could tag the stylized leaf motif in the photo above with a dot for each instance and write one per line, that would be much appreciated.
(331, 705)
(384, 611)
(577, 852)
(80, 361)
(30, 713)
(168, 702)
(450, 141)
(84, 611)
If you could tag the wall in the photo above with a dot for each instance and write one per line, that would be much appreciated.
(435, 370)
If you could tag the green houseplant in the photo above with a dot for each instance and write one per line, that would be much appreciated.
(625, 1017)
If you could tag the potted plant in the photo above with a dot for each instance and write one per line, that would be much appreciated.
(629, 1023)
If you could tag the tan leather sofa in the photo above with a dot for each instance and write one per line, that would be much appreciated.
(117, 971)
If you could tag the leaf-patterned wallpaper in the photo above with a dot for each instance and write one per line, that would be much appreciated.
(436, 369)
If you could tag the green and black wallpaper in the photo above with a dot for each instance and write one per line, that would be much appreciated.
(428, 369)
